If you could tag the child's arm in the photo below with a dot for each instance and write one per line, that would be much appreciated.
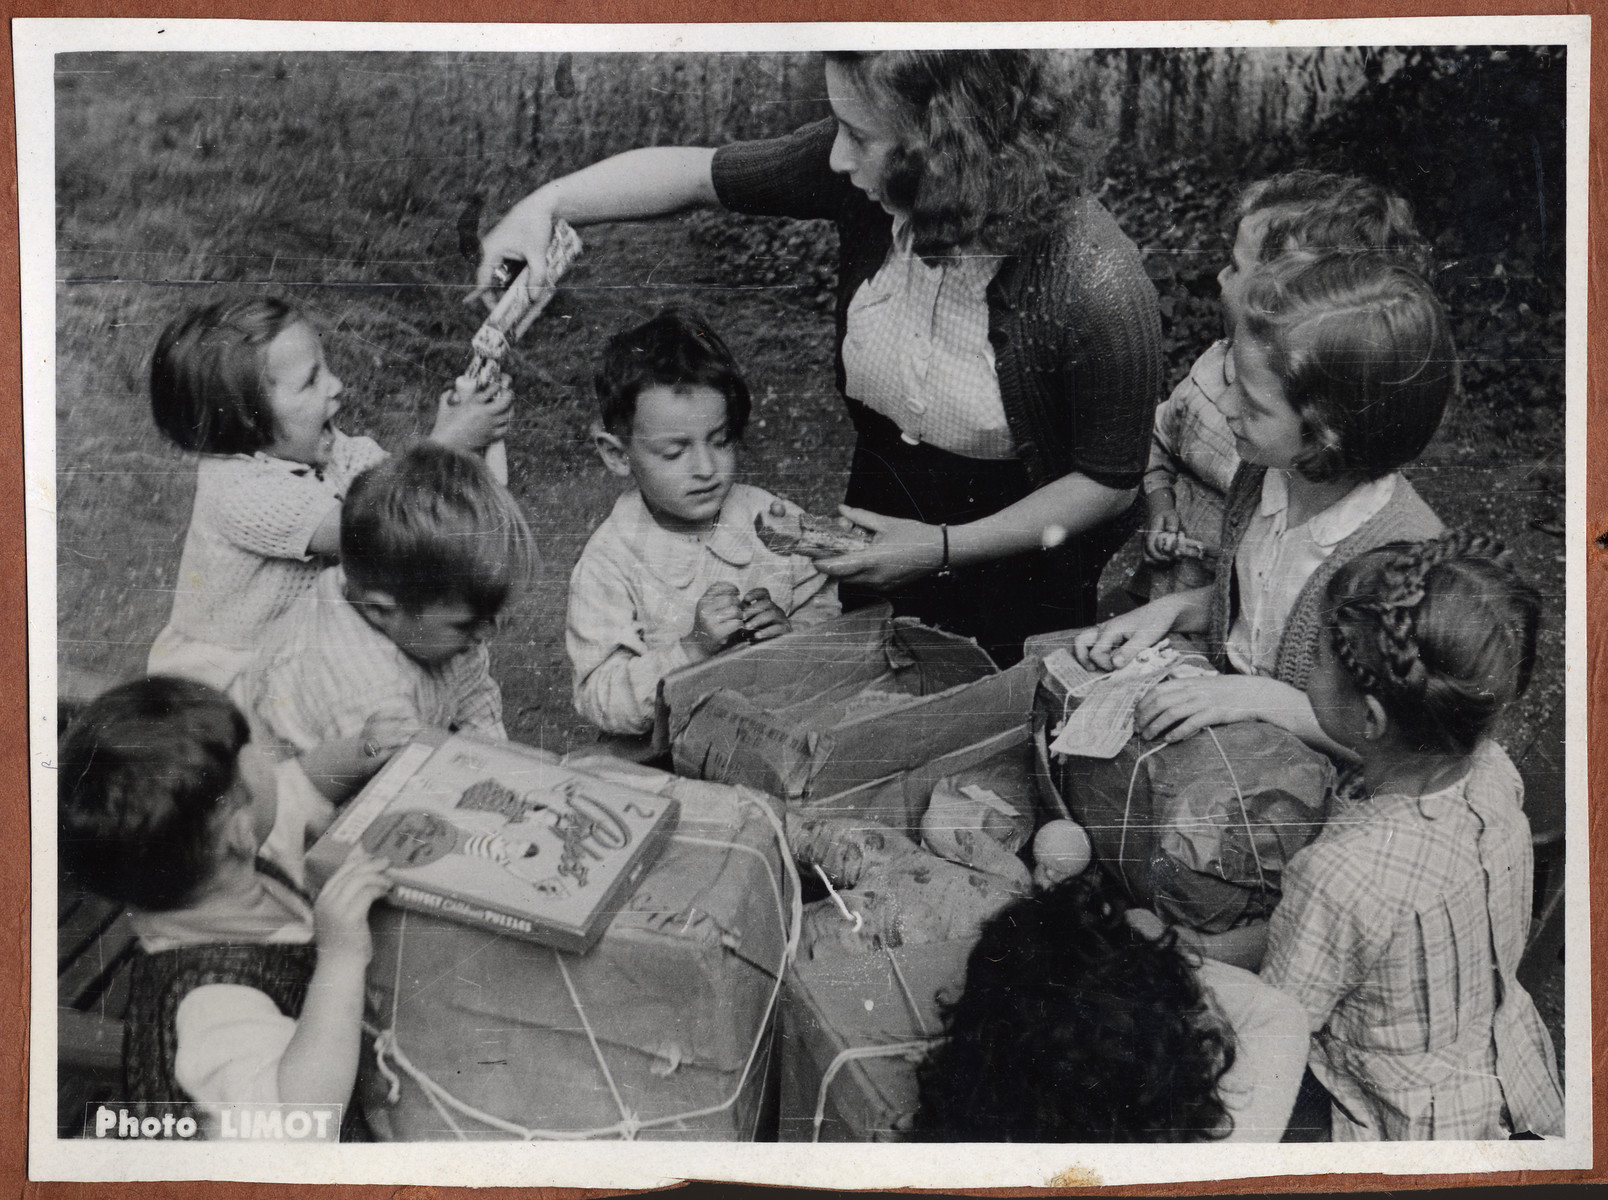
(1243, 946)
(320, 1063)
(617, 673)
(1178, 708)
(476, 421)
(1161, 505)
(1110, 644)
(1332, 923)
(338, 768)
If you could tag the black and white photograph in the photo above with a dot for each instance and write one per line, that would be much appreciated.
(869, 605)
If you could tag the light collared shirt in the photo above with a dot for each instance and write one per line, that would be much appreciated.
(245, 559)
(634, 594)
(1274, 563)
(917, 350)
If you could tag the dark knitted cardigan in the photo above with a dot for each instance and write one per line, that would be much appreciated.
(1072, 317)
(159, 982)
(1405, 517)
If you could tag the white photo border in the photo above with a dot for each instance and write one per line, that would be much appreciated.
(638, 1165)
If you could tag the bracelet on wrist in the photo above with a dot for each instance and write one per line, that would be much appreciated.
(944, 571)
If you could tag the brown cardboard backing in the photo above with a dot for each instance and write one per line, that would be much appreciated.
(14, 862)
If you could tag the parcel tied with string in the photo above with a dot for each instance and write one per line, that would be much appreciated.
(662, 1030)
(823, 710)
(855, 1028)
(1199, 829)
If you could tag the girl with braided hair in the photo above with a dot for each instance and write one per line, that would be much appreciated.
(1401, 926)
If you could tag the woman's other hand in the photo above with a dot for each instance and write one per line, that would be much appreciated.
(901, 552)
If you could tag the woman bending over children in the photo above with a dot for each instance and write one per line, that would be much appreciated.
(1343, 369)
(1402, 925)
(244, 383)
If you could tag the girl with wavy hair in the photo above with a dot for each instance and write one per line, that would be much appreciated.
(1081, 1023)
(998, 343)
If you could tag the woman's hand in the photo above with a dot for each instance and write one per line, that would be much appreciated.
(474, 421)
(522, 236)
(1178, 708)
(901, 552)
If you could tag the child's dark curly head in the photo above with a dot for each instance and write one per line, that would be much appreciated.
(675, 349)
(1073, 1027)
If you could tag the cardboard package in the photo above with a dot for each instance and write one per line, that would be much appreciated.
(823, 710)
(1198, 829)
(854, 1029)
(678, 994)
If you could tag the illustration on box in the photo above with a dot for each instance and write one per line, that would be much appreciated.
(502, 837)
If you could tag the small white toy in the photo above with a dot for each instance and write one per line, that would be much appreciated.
(1060, 850)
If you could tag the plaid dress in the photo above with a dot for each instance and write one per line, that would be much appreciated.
(1400, 931)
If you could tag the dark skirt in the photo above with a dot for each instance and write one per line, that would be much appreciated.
(1000, 603)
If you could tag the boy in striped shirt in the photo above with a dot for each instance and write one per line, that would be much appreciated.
(394, 638)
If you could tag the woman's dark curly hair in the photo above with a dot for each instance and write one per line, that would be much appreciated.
(1073, 1027)
(988, 155)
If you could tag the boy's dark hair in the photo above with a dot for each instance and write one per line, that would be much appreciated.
(1073, 1027)
(141, 772)
(209, 377)
(1442, 633)
(1364, 352)
(675, 349)
(1313, 212)
(431, 525)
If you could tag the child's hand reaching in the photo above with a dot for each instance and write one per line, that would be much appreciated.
(717, 619)
(386, 733)
(340, 915)
(474, 421)
(763, 619)
(1161, 529)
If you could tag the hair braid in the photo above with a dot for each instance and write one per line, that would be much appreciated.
(1442, 632)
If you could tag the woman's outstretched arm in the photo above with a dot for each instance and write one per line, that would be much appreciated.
(651, 182)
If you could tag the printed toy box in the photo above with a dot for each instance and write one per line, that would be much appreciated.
(502, 836)
(855, 1027)
(820, 711)
(664, 1028)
